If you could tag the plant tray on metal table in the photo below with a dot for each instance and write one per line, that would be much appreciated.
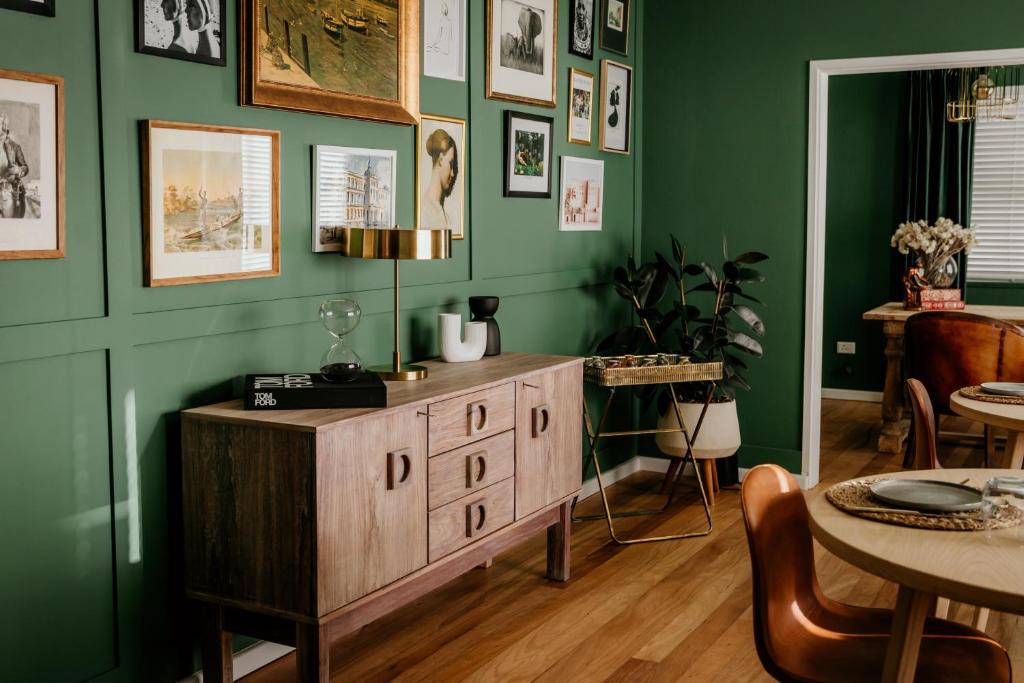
(652, 374)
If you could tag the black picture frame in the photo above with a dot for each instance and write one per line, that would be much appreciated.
(507, 159)
(142, 48)
(46, 8)
(611, 39)
(574, 8)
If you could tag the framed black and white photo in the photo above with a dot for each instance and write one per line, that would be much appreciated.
(521, 47)
(616, 106)
(527, 155)
(581, 106)
(43, 7)
(444, 39)
(614, 26)
(31, 165)
(581, 28)
(192, 30)
(352, 188)
(440, 174)
(582, 195)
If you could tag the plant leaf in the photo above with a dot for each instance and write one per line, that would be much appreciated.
(750, 318)
(749, 275)
(667, 267)
(747, 343)
(703, 287)
(751, 257)
(710, 273)
(692, 269)
(677, 250)
(749, 298)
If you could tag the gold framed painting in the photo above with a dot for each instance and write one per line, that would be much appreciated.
(440, 174)
(522, 48)
(581, 106)
(353, 58)
(616, 106)
(211, 203)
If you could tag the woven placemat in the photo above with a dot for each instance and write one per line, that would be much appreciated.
(979, 395)
(854, 497)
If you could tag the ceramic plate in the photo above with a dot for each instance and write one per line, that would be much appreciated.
(926, 496)
(1003, 388)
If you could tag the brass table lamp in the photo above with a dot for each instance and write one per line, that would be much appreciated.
(398, 245)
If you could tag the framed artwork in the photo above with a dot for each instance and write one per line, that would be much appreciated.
(440, 174)
(581, 28)
(614, 24)
(616, 106)
(211, 208)
(355, 59)
(43, 7)
(192, 30)
(527, 155)
(581, 106)
(31, 165)
(582, 194)
(444, 39)
(521, 49)
(352, 188)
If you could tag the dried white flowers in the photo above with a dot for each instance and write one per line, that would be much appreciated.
(939, 241)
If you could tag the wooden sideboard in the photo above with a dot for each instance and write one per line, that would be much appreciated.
(301, 526)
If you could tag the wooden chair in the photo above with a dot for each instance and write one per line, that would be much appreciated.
(801, 635)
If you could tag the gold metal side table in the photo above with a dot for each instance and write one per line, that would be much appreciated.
(612, 379)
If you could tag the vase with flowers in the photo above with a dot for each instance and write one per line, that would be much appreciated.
(933, 247)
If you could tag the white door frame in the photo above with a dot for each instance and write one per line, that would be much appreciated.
(817, 166)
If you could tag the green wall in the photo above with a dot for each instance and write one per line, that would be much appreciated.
(97, 366)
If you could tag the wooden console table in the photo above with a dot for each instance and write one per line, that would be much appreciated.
(301, 526)
(892, 316)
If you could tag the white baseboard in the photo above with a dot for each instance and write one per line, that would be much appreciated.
(852, 395)
(635, 464)
(250, 659)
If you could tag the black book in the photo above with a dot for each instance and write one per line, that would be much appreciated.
(296, 390)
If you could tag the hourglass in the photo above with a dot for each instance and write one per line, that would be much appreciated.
(340, 363)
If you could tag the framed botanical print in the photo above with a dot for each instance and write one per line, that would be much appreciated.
(31, 165)
(616, 106)
(581, 105)
(527, 155)
(440, 174)
(521, 48)
(192, 30)
(444, 39)
(582, 194)
(211, 209)
(355, 59)
(614, 25)
(43, 7)
(352, 188)
(581, 28)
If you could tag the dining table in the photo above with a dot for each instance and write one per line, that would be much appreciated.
(1005, 415)
(981, 568)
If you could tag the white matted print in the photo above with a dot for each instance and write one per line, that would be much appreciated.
(444, 39)
(352, 188)
(581, 106)
(616, 106)
(521, 45)
(440, 177)
(211, 203)
(582, 197)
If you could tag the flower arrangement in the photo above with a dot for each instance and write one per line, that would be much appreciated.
(933, 246)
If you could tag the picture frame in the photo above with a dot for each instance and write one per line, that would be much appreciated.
(441, 153)
(44, 8)
(581, 106)
(302, 71)
(614, 23)
(581, 28)
(616, 107)
(527, 155)
(176, 37)
(32, 168)
(581, 204)
(211, 203)
(522, 51)
(353, 187)
(444, 39)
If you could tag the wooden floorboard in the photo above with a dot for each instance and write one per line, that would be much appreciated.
(672, 611)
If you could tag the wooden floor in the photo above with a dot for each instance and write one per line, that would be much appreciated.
(673, 611)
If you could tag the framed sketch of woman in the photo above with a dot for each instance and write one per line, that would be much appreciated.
(440, 174)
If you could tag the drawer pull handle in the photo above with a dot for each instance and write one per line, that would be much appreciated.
(394, 457)
(480, 460)
(477, 424)
(541, 419)
(480, 509)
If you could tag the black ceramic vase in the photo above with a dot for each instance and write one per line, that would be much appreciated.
(483, 309)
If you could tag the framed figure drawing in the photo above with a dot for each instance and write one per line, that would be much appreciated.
(616, 106)
(352, 188)
(440, 174)
(444, 39)
(582, 194)
(210, 203)
(581, 28)
(31, 165)
(521, 49)
(192, 30)
(527, 155)
(43, 7)
(614, 25)
(355, 59)
(581, 106)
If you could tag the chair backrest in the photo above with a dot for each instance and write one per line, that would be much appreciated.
(947, 350)
(925, 454)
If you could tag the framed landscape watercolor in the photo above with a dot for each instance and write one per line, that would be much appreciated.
(581, 106)
(616, 106)
(31, 165)
(522, 44)
(192, 30)
(444, 39)
(211, 208)
(352, 188)
(43, 7)
(527, 155)
(351, 58)
(582, 195)
(581, 28)
(440, 174)
(614, 26)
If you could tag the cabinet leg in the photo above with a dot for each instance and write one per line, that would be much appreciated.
(486, 564)
(313, 653)
(216, 646)
(559, 543)
(894, 427)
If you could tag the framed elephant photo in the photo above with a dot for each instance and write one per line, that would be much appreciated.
(521, 50)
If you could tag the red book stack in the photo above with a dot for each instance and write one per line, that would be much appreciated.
(941, 300)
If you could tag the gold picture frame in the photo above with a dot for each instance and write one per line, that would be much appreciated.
(460, 179)
(570, 116)
(605, 140)
(262, 46)
(547, 98)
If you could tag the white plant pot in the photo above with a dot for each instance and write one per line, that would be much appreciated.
(453, 348)
(719, 435)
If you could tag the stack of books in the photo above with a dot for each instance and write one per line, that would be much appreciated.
(296, 390)
(941, 300)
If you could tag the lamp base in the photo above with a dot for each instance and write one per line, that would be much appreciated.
(404, 373)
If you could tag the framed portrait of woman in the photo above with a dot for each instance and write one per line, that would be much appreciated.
(192, 30)
(440, 174)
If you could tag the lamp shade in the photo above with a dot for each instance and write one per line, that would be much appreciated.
(396, 243)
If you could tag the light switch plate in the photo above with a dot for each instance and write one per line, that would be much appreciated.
(846, 347)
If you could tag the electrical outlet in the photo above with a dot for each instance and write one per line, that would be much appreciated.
(846, 347)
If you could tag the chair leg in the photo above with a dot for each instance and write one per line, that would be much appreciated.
(670, 474)
(942, 608)
(980, 618)
(990, 445)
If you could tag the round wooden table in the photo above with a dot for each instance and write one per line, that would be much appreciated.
(1009, 417)
(983, 568)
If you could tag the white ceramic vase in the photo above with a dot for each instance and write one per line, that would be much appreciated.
(453, 348)
(719, 435)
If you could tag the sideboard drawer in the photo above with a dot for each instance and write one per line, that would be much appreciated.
(470, 468)
(468, 519)
(469, 418)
